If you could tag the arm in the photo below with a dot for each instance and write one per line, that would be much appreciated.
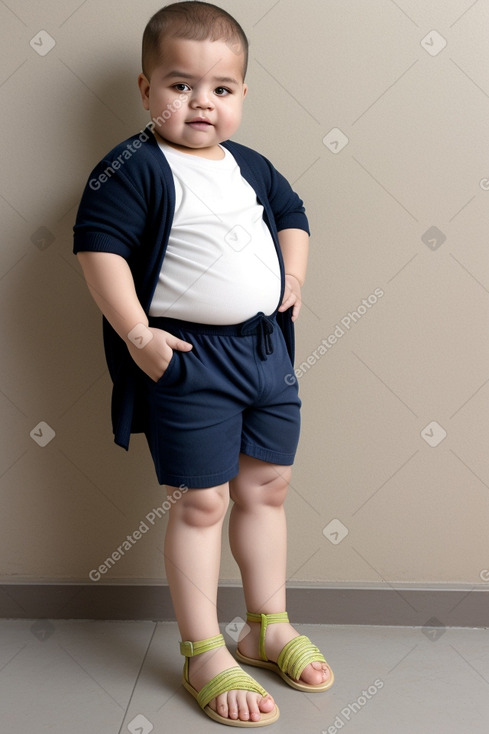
(294, 244)
(111, 285)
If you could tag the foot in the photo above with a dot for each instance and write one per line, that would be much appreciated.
(242, 705)
(277, 636)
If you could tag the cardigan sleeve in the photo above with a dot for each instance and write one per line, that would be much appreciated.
(287, 206)
(112, 215)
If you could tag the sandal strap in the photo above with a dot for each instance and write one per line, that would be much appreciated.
(265, 620)
(229, 680)
(189, 649)
(298, 653)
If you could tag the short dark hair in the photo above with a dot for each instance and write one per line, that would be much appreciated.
(196, 21)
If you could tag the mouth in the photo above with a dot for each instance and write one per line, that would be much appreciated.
(199, 123)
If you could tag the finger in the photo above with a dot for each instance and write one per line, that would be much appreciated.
(287, 302)
(179, 344)
(296, 310)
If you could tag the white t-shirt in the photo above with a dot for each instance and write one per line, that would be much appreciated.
(220, 266)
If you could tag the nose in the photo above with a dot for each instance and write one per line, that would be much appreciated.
(201, 99)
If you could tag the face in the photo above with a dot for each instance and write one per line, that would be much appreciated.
(195, 95)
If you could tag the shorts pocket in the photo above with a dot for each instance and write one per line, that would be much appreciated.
(168, 374)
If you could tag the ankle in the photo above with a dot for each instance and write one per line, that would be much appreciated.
(209, 659)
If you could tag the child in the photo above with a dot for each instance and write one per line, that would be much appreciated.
(195, 250)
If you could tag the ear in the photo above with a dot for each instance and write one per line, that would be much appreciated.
(143, 85)
(245, 90)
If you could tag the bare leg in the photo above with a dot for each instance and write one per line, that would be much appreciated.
(258, 539)
(192, 558)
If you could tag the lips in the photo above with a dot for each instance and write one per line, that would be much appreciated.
(199, 123)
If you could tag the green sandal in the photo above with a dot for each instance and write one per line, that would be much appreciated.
(294, 657)
(229, 680)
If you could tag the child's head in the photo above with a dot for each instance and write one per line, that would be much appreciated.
(195, 21)
(194, 63)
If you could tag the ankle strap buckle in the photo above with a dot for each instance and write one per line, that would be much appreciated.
(187, 649)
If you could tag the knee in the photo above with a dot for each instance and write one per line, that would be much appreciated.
(274, 491)
(269, 489)
(202, 507)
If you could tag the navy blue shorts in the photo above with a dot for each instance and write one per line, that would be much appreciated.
(230, 394)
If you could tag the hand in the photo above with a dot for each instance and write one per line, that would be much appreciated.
(155, 356)
(292, 296)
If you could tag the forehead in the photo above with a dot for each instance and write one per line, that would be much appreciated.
(201, 59)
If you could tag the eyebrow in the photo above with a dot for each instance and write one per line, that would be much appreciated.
(185, 75)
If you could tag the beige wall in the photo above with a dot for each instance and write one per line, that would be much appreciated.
(416, 159)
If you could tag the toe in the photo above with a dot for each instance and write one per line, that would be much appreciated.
(243, 706)
(326, 672)
(253, 707)
(220, 705)
(233, 704)
(323, 669)
(266, 704)
(315, 674)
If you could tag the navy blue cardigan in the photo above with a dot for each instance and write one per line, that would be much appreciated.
(127, 208)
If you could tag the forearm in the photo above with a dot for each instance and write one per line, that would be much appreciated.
(111, 285)
(294, 244)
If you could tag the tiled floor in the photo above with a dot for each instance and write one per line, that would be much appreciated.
(84, 677)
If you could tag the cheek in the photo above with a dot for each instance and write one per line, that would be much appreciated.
(170, 103)
(232, 116)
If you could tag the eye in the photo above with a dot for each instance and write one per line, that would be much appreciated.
(181, 87)
(222, 91)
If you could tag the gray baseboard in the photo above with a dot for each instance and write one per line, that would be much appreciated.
(423, 607)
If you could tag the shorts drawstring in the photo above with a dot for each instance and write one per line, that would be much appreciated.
(260, 325)
(263, 327)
